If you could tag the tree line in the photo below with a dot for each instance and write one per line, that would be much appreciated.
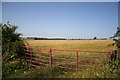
(37, 38)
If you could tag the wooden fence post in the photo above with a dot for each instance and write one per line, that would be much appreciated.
(25, 50)
(30, 56)
(109, 56)
(76, 60)
(50, 59)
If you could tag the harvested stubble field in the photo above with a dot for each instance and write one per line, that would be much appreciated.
(91, 71)
(99, 45)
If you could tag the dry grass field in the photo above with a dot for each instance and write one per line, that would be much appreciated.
(93, 70)
(100, 45)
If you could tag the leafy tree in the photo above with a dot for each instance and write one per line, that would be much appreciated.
(117, 34)
(117, 42)
(95, 37)
(11, 42)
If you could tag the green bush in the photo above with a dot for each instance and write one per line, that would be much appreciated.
(11, 68)
(11, 43)
(11, 49)
(114, 65)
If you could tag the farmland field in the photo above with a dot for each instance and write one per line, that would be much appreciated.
(100, 45)
(64, 63)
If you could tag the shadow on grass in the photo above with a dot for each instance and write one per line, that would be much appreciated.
(54, 72)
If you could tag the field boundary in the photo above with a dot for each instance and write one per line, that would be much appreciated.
(49, 59)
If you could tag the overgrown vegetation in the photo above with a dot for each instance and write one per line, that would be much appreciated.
(11, 43)
(103, 71)
(114, 65)
(118, 55)
(11, 55)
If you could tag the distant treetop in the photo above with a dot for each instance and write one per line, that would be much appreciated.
(117, 34)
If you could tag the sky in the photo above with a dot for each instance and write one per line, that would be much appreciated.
(62, 19)
(60, 0)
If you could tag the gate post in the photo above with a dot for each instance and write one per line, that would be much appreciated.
(76, 60)
(30, 56)
(109, 56)
(24, 51)
(50, 59)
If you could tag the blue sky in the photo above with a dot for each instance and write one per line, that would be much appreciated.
(67, 20)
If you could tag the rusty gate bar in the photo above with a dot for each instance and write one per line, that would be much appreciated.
(50, 59)
(76, 60)
(30, 51)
